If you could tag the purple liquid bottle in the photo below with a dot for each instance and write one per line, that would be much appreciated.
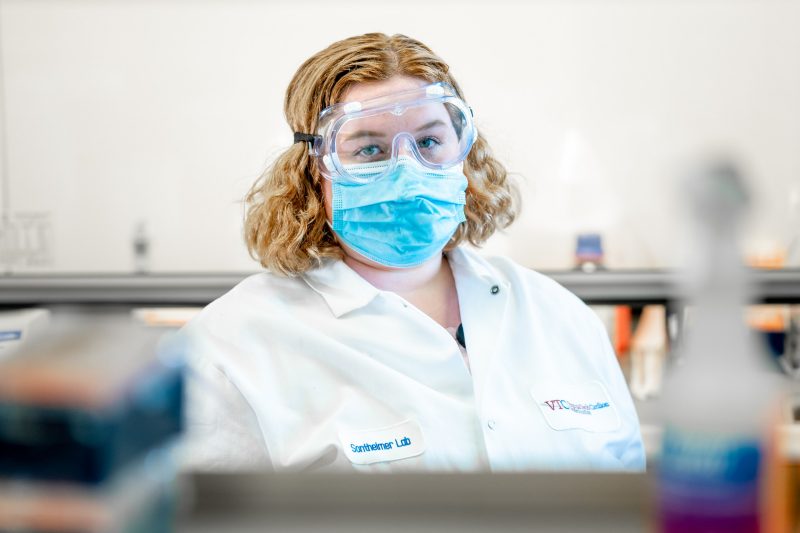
(717, 398)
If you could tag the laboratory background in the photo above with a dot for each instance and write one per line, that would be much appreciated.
(131, 131)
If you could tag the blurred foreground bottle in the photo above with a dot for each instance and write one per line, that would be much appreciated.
(90, 411)
(718, 404)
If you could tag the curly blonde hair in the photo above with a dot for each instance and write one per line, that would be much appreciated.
(284, 225)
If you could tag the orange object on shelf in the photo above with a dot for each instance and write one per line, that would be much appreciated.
(773, 259)
(622, 330)
(767, 318)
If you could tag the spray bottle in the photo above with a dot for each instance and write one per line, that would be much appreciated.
(717, 402)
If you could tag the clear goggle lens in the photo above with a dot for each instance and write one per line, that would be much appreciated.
(438, 134)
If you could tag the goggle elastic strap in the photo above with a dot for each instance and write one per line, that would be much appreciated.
(306, 138)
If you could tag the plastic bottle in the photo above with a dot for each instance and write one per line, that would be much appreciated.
(717, 403)
(141, 249)
(589, 252)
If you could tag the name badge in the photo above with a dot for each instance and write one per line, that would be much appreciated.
(585, 406)
(400, 441)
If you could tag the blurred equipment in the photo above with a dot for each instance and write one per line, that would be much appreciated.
(164, 317)
(19, 327)
(718, 402)
(779, 328)
(649, 347)
(790, 360)
(617, 320)
(589, 252)
(88, 413)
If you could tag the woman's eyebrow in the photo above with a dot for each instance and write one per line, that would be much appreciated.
(431, 124)
(369, 133)
(364, 133)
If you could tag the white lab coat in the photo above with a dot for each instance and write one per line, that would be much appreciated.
(325, 371)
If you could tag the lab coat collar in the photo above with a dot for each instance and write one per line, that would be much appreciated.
(465, 263)
(344, 290)
(340, 286)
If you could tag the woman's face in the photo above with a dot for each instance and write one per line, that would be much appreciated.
(360, 92)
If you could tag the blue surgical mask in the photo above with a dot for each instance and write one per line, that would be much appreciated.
(402, 219)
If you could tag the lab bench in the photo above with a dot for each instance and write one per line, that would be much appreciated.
(463, 502)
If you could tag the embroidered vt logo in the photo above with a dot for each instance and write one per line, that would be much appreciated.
(582, 408)
(552, 404)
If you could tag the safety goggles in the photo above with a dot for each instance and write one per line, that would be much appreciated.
(363, 141)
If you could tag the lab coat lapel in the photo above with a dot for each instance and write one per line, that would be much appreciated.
(340, 286)
(483, 297)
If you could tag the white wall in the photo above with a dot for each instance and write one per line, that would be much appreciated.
(166, 111)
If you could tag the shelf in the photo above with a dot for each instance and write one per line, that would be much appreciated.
(166, 289)
(604, 287)
(649, 286)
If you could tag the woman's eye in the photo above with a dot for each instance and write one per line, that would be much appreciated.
(369, 151)
(428, 143)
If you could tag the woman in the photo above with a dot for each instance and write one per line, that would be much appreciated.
(376, 340)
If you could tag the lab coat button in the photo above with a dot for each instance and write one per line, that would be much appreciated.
(491, 423)
(495, 289)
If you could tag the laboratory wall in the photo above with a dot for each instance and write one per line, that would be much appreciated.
(147, 121)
